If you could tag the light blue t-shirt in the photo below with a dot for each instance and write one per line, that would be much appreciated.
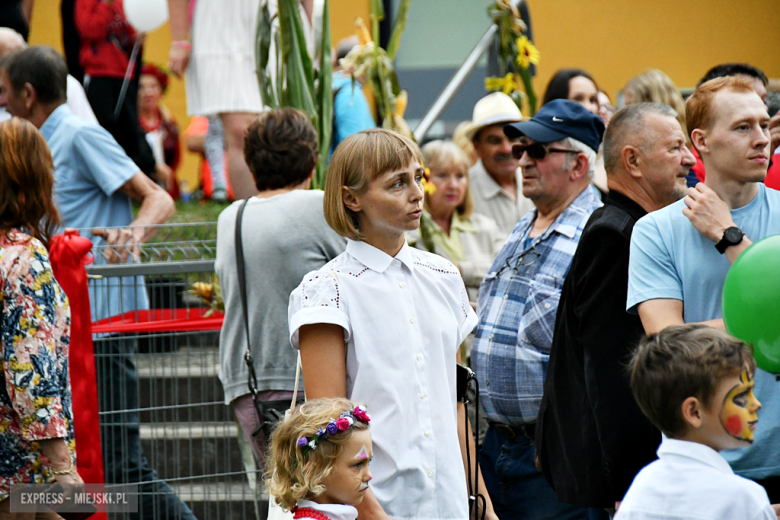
(351, 112)
(670, 259)
(89, 169)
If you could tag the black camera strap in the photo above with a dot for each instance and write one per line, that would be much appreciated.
(271, 412)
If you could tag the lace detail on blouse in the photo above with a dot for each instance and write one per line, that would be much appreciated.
(321, 289)
(449, 270)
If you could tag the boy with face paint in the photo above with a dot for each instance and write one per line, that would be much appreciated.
(695, 384)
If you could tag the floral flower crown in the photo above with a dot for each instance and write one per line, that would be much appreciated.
(344, 422)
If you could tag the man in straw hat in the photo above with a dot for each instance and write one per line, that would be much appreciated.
(496, 187)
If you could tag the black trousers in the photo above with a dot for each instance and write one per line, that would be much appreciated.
(103, 94)
(772, 487)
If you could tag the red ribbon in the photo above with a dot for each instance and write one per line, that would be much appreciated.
(68, 254)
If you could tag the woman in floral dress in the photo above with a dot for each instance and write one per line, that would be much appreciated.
(36, 421)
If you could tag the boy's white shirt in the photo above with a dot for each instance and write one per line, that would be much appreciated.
(332, 511)
(692, 481)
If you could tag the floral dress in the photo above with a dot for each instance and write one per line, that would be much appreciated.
(35, 399)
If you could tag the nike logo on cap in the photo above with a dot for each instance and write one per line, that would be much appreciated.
(557, 120)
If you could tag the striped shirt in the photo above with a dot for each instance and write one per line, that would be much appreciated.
(517, 304)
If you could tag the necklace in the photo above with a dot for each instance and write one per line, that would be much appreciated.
(308, 512)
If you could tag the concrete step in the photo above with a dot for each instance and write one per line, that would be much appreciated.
(187, 450)
(187, 362)
(217, 491)
(181, 386)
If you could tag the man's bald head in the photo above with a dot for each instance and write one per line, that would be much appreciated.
(10, 41)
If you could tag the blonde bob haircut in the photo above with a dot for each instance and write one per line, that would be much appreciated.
(441, 155)
(699, 107)
(292, 476)
(358, 160)
(653, 86)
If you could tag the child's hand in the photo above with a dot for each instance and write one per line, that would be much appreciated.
(776, 507)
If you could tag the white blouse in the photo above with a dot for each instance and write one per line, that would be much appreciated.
(403, 320)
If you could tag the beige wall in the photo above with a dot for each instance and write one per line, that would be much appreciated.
(617, 39)
(47, 30)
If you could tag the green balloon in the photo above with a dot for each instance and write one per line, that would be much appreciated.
(751, 301)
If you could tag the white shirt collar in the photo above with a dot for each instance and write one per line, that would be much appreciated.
(695, 451)
(378, 260)
(333, 511)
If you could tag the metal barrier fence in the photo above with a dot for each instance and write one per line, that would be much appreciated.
(164, 424)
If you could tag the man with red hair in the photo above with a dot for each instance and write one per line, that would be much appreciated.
(680, 255)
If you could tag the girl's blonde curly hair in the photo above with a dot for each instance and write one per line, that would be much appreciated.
(291, 475)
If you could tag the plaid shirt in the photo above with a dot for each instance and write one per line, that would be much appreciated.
(517, 304)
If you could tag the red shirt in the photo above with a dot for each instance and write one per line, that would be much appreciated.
(697, 168)
(773, 175)
(107, 38)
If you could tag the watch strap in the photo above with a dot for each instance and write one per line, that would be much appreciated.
(731, 237)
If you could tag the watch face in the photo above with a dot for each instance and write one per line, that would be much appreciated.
(733, 235)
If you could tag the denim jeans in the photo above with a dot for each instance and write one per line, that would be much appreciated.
(518, 491)
(123, 458)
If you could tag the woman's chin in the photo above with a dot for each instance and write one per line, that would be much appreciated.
(412, 225)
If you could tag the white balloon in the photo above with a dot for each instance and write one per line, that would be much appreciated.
(146, 15)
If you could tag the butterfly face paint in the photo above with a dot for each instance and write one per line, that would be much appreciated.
(738, 414)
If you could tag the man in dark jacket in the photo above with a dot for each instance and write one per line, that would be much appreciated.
(591, 436)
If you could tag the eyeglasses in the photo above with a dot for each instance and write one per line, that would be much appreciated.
(536, 151)
(524, 259)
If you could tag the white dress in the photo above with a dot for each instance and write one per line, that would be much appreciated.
(221, 77)
(403, 320)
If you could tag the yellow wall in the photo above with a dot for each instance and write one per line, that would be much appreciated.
(615, 40)
(47, 30)
(612, 39)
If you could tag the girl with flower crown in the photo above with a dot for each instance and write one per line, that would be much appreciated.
(319, 460)
(381, 324)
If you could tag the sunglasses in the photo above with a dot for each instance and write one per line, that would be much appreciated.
(535, 151)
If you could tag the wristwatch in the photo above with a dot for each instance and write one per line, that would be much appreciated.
(731, 237)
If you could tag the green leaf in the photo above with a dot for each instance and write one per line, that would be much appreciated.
(324, 100)
(525, 74)
(279, 69)
(262, 51)
(298, 75)
(377, 15)
(398, 28)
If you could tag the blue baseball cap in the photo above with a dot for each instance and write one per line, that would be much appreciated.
(558, 119)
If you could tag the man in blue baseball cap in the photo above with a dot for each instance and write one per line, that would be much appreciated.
(518, 301)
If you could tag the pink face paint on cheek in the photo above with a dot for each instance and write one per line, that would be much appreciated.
(734, 425)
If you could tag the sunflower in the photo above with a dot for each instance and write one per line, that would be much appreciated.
(428, 186)
(507, 84)
(527, 53)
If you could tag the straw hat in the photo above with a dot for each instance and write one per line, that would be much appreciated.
(492, 109)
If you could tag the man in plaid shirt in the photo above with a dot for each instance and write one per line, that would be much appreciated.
(518, 301)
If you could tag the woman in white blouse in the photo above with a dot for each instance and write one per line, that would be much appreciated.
(381, 325)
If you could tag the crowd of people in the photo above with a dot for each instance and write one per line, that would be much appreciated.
(574, 260)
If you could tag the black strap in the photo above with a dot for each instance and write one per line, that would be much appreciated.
(242, 292)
